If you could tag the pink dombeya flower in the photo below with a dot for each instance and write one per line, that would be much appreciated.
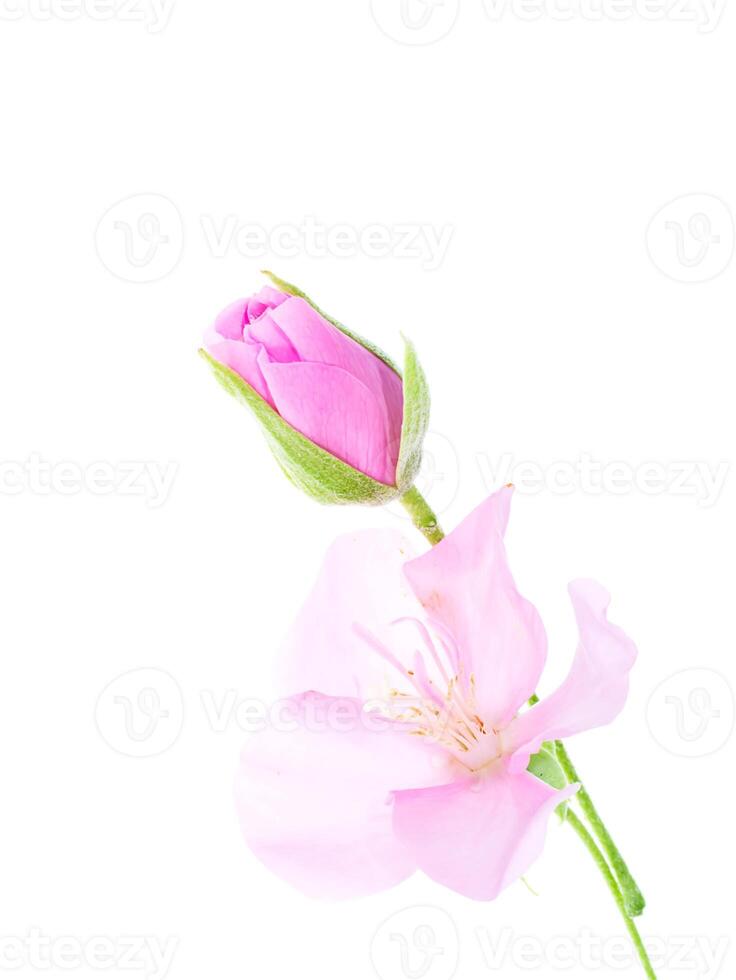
(336, 392)
(447, 653)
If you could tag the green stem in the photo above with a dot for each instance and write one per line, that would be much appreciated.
(633, 898)
(422, 515)
(585, 836)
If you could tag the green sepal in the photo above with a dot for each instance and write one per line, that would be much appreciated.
(292, 290)
(416, 418)
(312, 469)
(544, 766)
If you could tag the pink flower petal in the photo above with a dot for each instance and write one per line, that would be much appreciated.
(315, 802)
(265, 330)
(477, 835)
(318, 341)
(594, 691)
(245, 359)
(337, 412)
(464, 582)
(229, 324)
(267, 298)
(360, 584)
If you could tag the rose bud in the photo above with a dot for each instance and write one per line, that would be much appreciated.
(340, 419)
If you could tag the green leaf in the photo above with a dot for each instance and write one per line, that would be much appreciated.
(292, 290)
(311, 468)
(416, 418)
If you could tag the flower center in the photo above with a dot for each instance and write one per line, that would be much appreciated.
(437, 700)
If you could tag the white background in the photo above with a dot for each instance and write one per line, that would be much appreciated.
(569, 315)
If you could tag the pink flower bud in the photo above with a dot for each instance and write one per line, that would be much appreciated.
(336, 392)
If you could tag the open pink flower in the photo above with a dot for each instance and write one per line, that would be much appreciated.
(434, 659)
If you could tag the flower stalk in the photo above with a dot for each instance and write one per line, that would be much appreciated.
(422, 515)
(595, 852)
(632, 896)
